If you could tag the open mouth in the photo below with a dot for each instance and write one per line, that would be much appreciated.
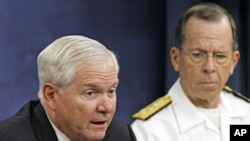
(98, 122)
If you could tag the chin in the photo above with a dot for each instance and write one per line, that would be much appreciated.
(209, 95)
(99, 135)
(97, 138)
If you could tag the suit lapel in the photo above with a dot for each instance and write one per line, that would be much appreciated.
(41, 125)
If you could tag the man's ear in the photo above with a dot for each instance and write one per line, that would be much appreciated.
(49, 94)
(175, 57)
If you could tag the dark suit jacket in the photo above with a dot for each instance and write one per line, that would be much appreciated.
(32, 124)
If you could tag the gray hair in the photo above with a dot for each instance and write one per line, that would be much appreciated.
(207, 11)
(58, 61)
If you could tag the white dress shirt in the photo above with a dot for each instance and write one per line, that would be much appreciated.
(60, 135)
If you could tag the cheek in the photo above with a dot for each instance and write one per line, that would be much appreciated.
(187, 69)
(114, 104)
(65, 107)
(114, 99)
(78, 115)
(83, 108)
(224, 74)
(72, 108)
(189, 74)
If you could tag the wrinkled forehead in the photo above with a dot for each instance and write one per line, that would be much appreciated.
(98, 64)
(101, 72)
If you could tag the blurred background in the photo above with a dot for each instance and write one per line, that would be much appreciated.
(141, 32)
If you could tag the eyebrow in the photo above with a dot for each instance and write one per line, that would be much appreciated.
(96, 86)
(205, 51)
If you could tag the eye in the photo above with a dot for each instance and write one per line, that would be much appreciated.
(112, 91)
(220, 56)
(90, 94)
(197, 54)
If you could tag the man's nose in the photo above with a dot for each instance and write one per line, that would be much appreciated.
(209, 64)
(106, 104)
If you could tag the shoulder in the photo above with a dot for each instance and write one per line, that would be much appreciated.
(17, 125)
(20, 118)
(123, 131)
(153, 108)
(235, 93)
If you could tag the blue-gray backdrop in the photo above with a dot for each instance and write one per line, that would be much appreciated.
(140, 31)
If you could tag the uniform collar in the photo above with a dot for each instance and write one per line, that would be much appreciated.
(233, 107)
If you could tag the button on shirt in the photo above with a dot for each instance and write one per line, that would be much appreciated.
(182, 121)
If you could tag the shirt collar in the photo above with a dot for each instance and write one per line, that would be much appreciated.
(183, 107)
(60, 135)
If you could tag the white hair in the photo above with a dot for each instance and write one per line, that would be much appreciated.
(58, 61)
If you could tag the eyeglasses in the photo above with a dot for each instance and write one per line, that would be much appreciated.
(199, 57)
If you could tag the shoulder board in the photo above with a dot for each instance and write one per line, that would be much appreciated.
(153, 108)
(230, 90)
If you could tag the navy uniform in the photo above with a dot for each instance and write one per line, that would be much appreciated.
(174, 117)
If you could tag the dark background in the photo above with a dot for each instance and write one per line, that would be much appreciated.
(140, 31)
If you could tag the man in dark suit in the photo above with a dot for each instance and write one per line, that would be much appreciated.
(78, 77)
